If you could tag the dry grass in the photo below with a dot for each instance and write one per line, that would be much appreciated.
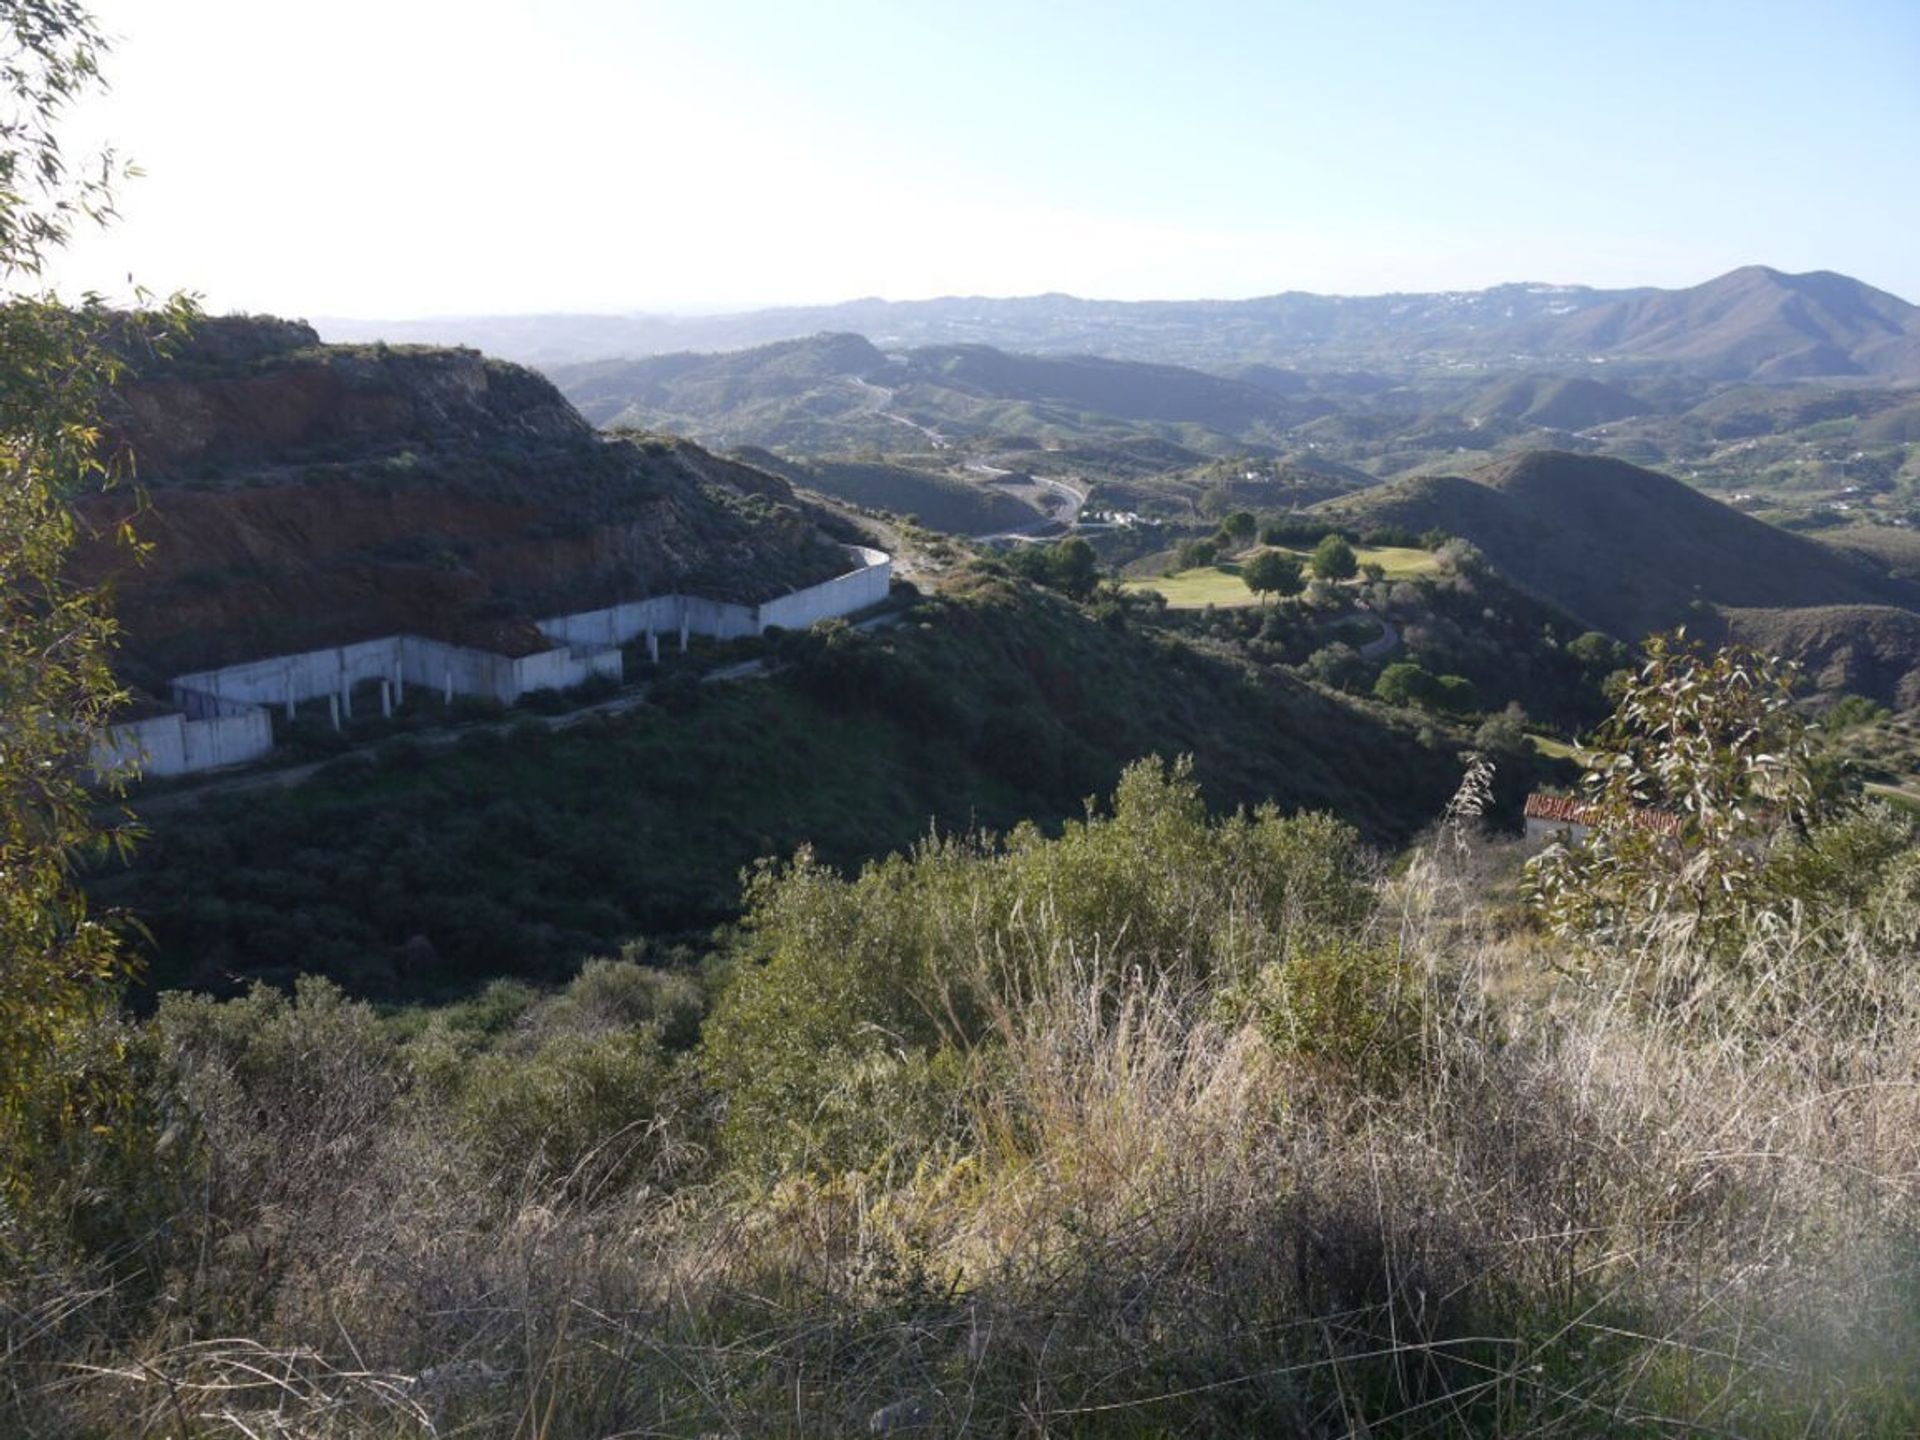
(1646, 1202)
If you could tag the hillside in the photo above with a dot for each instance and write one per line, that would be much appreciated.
(1554, 402)
(1754, 323)
(1871, 650)
(1620, 548)
(838, 392)
(938, 500)
(300, 495)
(998, 703)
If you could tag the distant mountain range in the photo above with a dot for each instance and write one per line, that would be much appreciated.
(1753, 324)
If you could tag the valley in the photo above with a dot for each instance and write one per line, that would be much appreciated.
(656, 851)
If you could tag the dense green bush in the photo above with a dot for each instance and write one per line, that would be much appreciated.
(1354, 1006)
(920, 956)
(582, 1112)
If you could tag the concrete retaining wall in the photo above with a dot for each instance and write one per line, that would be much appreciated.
(179, 745)
(223, 719)
(842, 595)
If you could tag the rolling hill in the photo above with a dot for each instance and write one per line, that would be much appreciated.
(1754, 324)
(1554, 402)
(1620, 548)
(1871, 650)
(832, 393)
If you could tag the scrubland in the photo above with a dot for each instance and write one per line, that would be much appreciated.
(1166, 1125)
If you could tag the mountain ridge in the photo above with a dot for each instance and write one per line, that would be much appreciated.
(1802, 325)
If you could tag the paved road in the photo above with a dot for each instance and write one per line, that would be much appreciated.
(1388, 642)
(1076, 501)
(879, 398)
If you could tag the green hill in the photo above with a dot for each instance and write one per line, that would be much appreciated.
(522, 853)
(1623, 549)
(837, 392)
(1556, 402)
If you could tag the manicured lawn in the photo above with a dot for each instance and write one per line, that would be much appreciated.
(1206, 585)
(1398, 561)
(1221, 584)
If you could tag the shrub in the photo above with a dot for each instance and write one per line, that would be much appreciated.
(855, 982)
(583, 1113)
(1352, 1006)
(1710, 742)
(1404, 683)
(623, 994)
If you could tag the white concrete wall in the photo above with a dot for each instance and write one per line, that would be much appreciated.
(222, 721)
(177, 745)
(842, 595)
(617, 624)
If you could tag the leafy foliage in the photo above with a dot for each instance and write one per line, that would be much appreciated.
(1702, 768)
(1272, 572)
(58, 965)
(894, 981)
(1333, 559)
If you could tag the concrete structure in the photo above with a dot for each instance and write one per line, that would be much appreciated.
(221, 734)
(224, 715)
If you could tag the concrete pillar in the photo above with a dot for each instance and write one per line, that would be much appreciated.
(448, 697)
(683, 634)
(333, 710)
(290, 706)
(386, 698)
(346, 699)
(653, 648)
(399, 686)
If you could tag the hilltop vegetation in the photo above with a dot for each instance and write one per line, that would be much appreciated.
(1620, 548)
(1165, 1123)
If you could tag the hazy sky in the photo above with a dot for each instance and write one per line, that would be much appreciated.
(412, 157)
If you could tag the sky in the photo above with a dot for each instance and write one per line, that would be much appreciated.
(414, 158)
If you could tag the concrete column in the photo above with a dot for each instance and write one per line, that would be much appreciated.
(399, 686)
(290, 706)
(333, 710)
(683, 634)
(386, 698)
(346, 699)
(448, 697)
(653, 647)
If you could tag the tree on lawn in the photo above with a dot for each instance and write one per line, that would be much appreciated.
(1272, 573)
(1333, 559)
